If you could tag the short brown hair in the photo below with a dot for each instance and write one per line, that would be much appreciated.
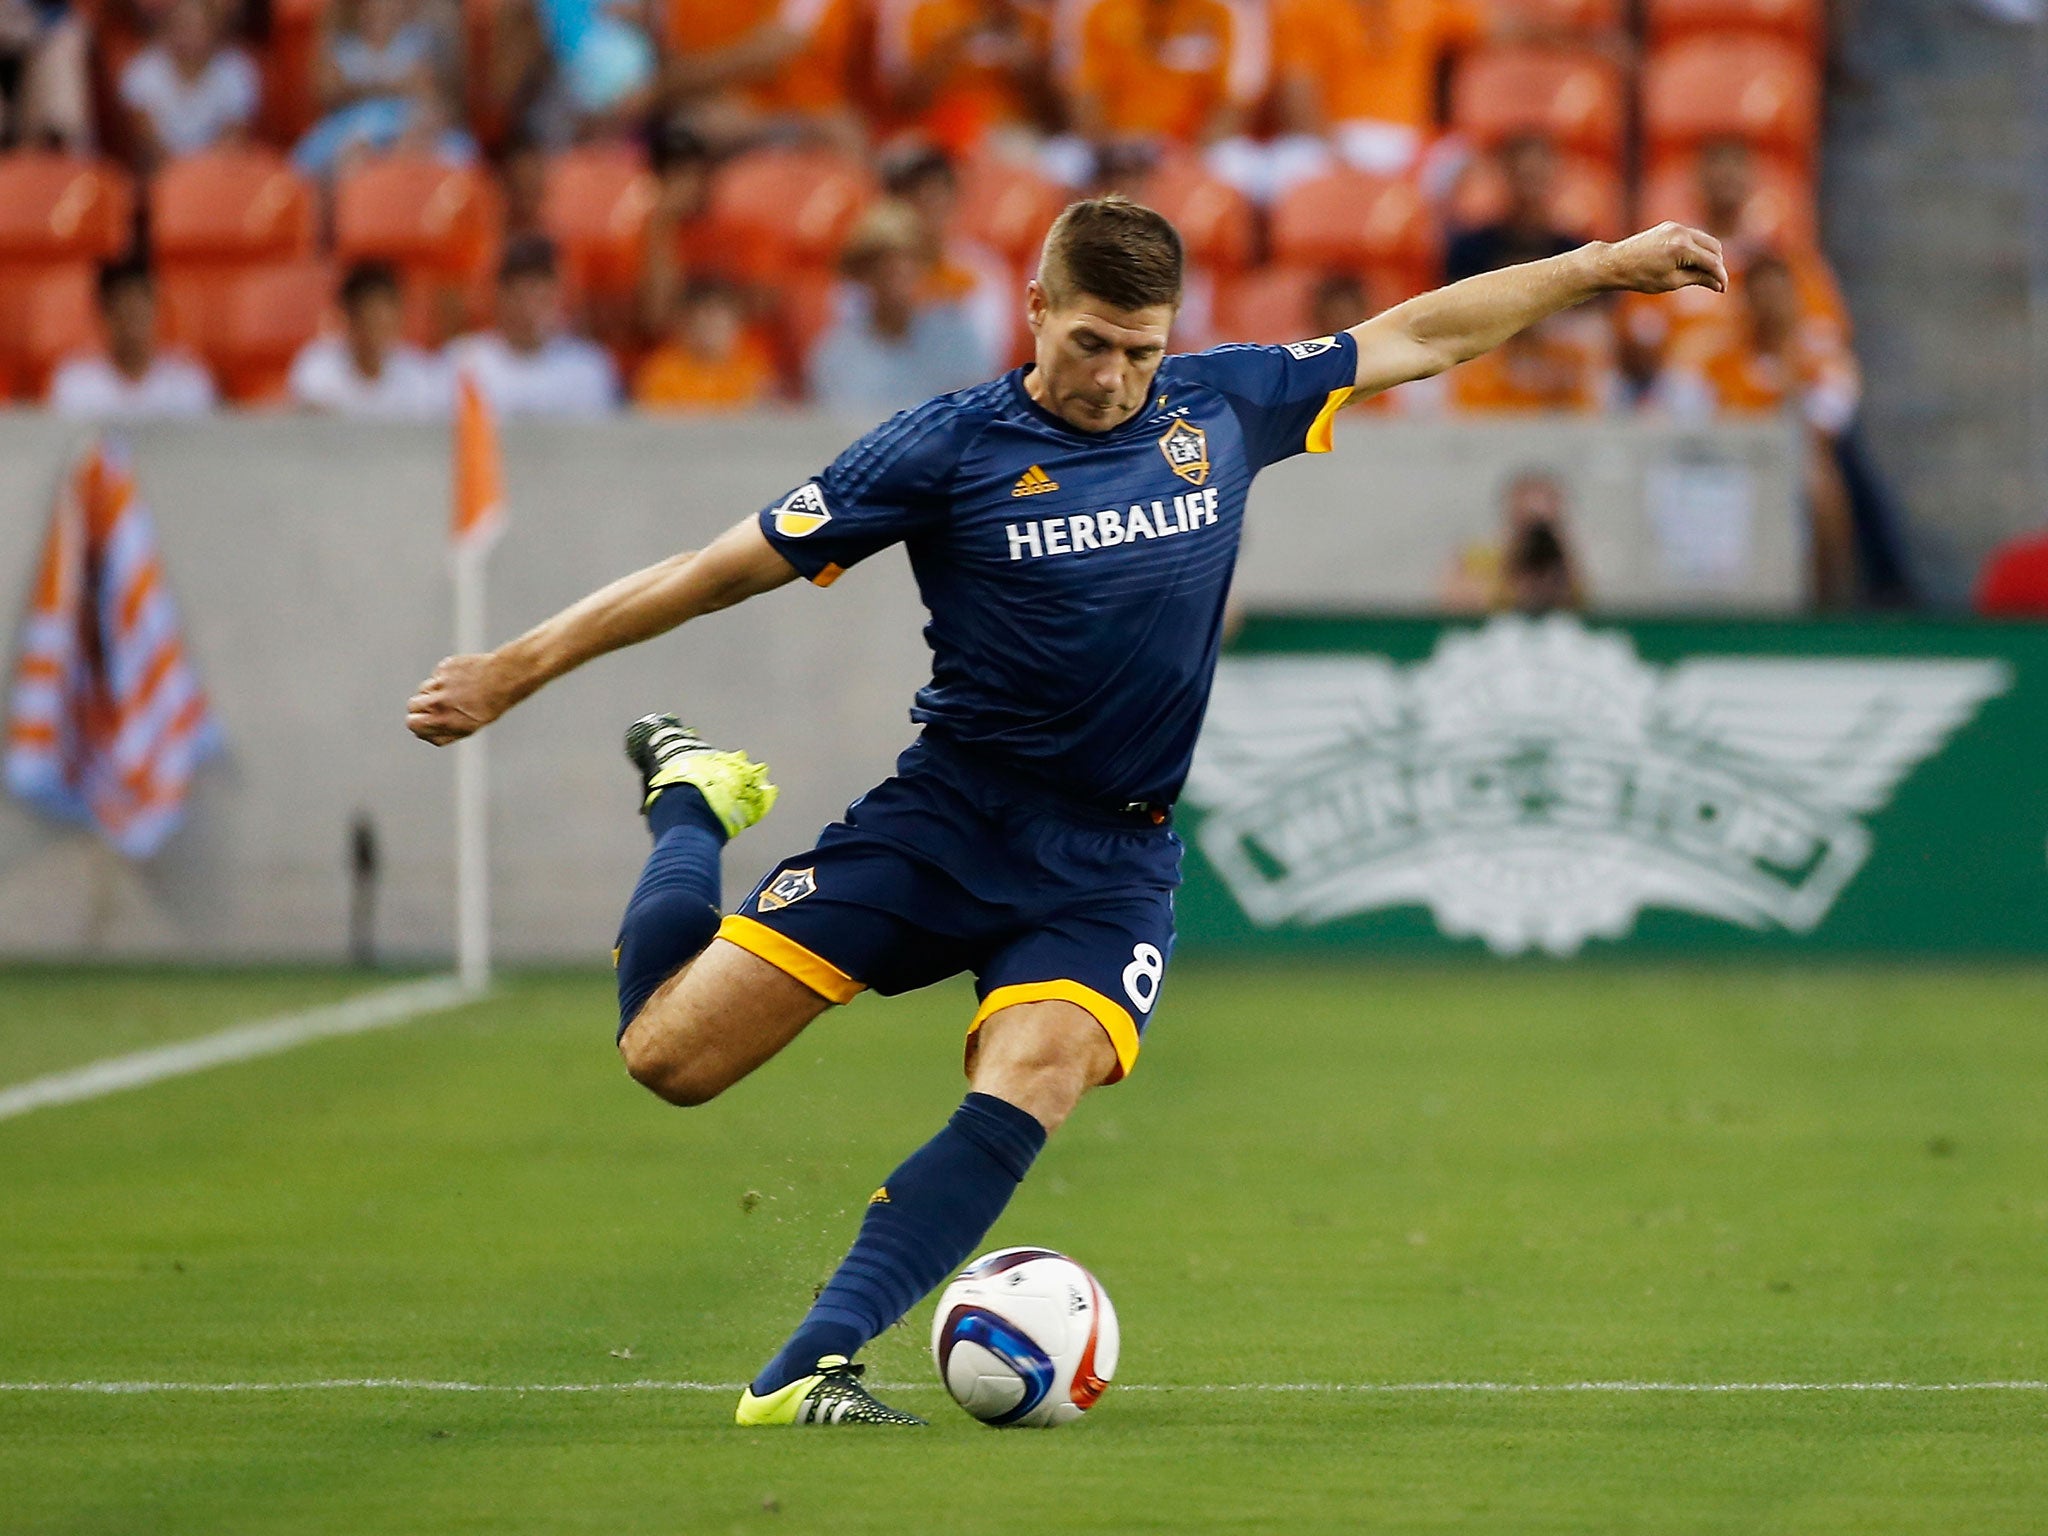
(1115, 250)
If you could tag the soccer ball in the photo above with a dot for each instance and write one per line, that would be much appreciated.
(1025, 1336)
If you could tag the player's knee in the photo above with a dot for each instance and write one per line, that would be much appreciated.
(680, 1078)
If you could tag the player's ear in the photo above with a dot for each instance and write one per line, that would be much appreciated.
(1037, 304)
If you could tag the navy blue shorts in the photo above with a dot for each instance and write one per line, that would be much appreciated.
(955, 865)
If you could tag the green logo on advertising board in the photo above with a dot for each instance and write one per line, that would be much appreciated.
(1536, 784)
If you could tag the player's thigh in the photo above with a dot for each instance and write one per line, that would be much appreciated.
(1041, 1057)
(710, 1025)
(1106, 961)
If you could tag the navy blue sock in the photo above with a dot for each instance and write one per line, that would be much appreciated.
(922, 1223)
(675, 907)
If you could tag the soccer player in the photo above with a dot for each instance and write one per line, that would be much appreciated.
(1072, 526)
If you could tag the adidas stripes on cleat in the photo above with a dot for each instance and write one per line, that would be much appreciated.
(833, 1396)
(668, 752)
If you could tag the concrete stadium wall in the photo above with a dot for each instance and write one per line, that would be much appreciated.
(308, 558)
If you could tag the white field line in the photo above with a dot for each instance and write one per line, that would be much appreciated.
(1386, 1388)
(241, 1042)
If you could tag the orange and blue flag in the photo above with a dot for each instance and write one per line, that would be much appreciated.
(108, 721)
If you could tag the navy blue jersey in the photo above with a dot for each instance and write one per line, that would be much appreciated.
(1076, 580)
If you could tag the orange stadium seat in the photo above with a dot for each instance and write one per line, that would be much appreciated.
(1560, 15)
(1591, 198)
(1006, 207)
(60, 208)
(1797, 21)
(1355, 221)
(790, 208)
(230, 206)
(262, 318)
(1782, 210)
(289, 106)
(596, 208)
(1270, 304)
(1575, 98)
(803, 309)
(427, 218)
(1758, 88)
(45, 313)
(1215, 220)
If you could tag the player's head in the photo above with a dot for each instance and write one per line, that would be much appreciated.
(1108, 287)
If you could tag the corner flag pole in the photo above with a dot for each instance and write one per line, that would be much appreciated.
(479, 514)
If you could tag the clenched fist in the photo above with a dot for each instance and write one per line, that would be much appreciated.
(1665, 259)
(464, 695)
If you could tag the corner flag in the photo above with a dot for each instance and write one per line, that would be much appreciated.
(108, 721)
(479, 472)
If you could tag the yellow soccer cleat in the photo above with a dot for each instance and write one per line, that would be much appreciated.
(833, 1396)
(668, 752)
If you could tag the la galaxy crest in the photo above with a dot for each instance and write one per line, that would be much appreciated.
(1186, 447)
(792, 885)
(802, 512)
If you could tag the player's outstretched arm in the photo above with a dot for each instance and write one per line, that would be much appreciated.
(466, 693)
(1452, 325)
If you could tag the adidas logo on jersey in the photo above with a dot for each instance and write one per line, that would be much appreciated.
(1034, 482)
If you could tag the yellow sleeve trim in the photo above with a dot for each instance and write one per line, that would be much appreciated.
(1322, 431)
(790, 957)
(827, 576)
(1114, 1018)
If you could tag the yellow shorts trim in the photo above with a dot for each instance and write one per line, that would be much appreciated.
(1322, 432)
(1114, 1018)
(790, 957)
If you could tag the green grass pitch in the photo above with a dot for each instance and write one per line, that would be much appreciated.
(1319, 1174)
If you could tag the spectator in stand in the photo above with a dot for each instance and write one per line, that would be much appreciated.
(191, 89)
(1527, 228)
(890, 347)
(45, 94)
(711, 360)
(2014, 583)
(957, 269)
(132, 378)
(370, 370)
(682, 242)
(1767, 359)
(529, 366)
(576, 70)
(1189, 72)
(377, 59)
(1362, 74)
(968, 72)
(743, 70)
(1549, 367)
(1530, 566)
(1726, 183)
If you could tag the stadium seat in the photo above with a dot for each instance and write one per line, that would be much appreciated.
(1573, 97)
(1782, 211)
(230, 207)
(57, 208)
(1560, 15)
(1355, 221)
(803, 308)
(427, 218)
(596, 207)
(289, 104)
(1215, 220)
(46, 312)
(1754, 87)
(1006, 207)
(788, 209)
(1268, 304)
(1796, 21)
(260, 320)
(1591, 198)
